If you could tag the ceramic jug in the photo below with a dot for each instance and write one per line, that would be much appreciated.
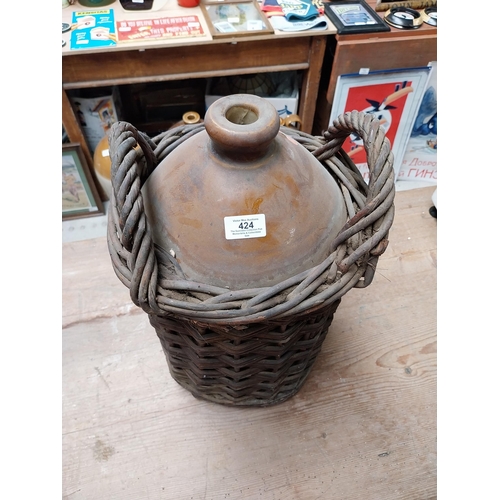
(241, 204)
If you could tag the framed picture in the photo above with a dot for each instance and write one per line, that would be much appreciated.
(354, 16)
(229, 19)
(385, 5)
(80, 197)
(394, 96)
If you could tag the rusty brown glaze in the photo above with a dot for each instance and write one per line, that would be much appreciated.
(242, 164)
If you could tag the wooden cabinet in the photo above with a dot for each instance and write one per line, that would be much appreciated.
(259, 54)
(375, 51)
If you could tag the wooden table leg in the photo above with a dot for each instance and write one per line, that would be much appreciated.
(72, 127)
(310, 83)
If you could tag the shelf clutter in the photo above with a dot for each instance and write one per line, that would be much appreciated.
(103, 24)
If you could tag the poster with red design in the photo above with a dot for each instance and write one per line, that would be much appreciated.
(393, 96)
(160, 28)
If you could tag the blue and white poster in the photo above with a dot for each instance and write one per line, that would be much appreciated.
(93, 29)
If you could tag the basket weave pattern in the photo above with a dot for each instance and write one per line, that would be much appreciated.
(231, 366)
(253, 346)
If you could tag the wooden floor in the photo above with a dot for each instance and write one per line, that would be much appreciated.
(362, 427)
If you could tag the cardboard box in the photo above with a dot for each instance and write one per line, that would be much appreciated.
(96, 110)
(285, 97)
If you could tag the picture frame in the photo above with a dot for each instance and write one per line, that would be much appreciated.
(394, 95)
(420, 158)
(235, 18)
(354, 16)
(80, 197)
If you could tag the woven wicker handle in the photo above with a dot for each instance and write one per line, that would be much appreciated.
(378, 148)
(354, 254)
(380, 191)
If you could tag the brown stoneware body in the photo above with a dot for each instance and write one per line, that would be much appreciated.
(243, 165)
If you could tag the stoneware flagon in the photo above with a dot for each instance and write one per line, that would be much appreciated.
(240, 166)
(239, 238)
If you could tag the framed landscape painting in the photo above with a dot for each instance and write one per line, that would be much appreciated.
(80, 197)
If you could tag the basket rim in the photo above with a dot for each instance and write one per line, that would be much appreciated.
(352, 263)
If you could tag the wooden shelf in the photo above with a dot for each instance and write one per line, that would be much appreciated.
(198, 57)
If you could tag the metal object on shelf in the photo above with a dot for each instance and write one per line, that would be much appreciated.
(429, 16)
(403, 18)
(137, 4)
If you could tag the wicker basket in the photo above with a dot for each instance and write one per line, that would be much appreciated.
(252, 347)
